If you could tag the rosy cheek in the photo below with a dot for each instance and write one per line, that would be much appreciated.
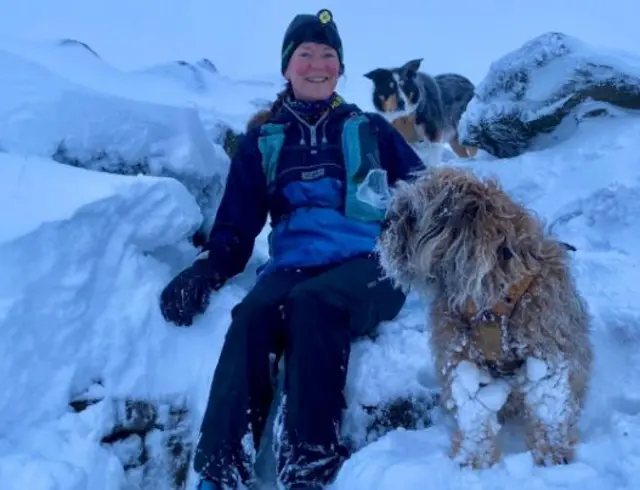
(302, 69)
(332, 68)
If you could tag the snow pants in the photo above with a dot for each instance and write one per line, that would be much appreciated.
(310, 316)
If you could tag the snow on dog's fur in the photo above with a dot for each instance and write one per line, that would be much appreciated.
(490, 270)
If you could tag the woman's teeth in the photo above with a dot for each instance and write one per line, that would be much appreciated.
(317, 79)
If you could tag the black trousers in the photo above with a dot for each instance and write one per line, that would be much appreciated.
(310, 316)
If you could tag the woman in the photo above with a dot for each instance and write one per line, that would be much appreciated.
(322, 286)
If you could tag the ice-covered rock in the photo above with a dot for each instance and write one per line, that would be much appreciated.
(198, 76)
(45, 114)
(79, 44)
(551, 79)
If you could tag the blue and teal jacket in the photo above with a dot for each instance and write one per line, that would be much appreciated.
(302, 168)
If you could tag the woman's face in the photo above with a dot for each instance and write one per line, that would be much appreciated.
(313, 71)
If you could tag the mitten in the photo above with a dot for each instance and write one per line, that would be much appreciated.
(187, 295)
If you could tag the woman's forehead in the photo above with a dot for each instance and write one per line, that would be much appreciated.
(315, 46)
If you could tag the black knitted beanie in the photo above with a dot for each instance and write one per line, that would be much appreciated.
(319, 28)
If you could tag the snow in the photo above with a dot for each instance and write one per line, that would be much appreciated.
(84, 255)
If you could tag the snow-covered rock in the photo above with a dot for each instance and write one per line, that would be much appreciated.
(388, 381)
(67, 320)
(81, 233)
(550, 80)
(74, 43)
(45, 114)
(197, 77)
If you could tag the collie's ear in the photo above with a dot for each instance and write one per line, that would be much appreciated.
(375, 74)
(412, 66)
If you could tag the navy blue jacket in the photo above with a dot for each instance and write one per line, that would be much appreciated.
(308, 225)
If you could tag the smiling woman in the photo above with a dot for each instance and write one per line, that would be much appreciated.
(304, 162)
(312, 56)
(313, 71)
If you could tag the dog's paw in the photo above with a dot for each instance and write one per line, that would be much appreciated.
(472, 453)
(549, 456)
(536, 369)
(551, 447)
(494, 395)
(472, 384)
(466, 381)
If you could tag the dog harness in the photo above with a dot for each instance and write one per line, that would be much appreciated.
(488, 330)
(360, 152)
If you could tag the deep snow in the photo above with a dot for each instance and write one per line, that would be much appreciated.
(84, 256)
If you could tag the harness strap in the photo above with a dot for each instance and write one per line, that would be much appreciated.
(487, 326)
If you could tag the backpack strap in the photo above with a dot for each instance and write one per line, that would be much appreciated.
(361, 155)
(270, 144)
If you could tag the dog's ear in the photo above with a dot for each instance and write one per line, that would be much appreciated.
(412, 66)
(375, 74)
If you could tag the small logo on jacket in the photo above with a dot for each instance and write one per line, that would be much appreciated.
(312, 174)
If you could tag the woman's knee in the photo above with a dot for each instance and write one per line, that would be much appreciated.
(254, 320)
(307, 300)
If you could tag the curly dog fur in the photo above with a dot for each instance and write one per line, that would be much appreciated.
(485, 262)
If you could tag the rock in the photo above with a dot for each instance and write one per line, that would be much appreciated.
(199, 77)
(207, 190)
(529, 92)
(73, 42)
(408, 413)
(153, 441)
(207, 64)
(386, 391)
(99, 130)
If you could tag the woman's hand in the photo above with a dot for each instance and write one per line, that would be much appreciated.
(187, 295)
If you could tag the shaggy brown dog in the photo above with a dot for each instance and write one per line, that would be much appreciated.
(510, 332)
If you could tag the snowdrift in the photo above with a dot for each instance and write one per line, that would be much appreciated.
(76, 304)
(101, 393)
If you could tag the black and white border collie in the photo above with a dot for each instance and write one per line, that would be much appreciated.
(423, 107)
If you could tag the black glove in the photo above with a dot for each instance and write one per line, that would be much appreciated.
(187, 295)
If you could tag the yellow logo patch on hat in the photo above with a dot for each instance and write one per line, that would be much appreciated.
(325, 16)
